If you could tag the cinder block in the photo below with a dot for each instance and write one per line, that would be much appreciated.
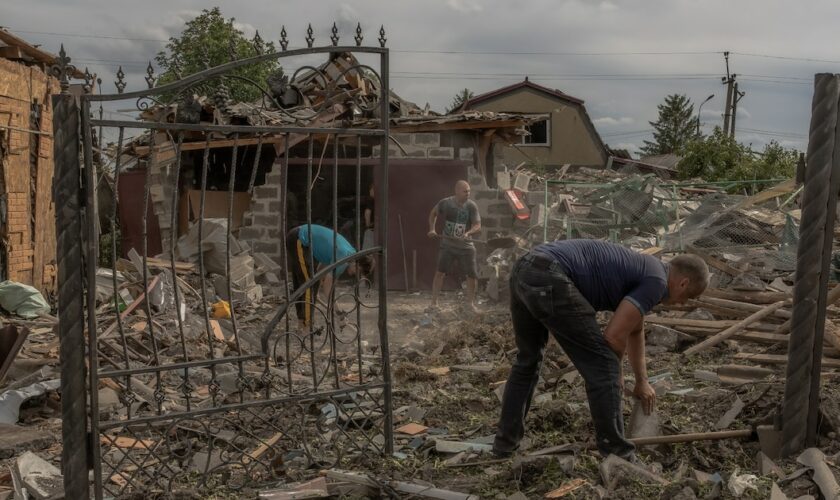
(466, 154)
(426, 139)
(442, 153)
(414, 152)
(267, 192)
(403, 139)
(269, 247)
(251, 233)
(267, 221)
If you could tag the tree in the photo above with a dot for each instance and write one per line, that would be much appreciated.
(719, 157)
(210, 40)
(711, 158)
(459, 100)
(675, 128)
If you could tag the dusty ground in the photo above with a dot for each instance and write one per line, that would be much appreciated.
(462, 405)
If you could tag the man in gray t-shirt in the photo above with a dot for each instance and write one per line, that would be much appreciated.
(460, 221)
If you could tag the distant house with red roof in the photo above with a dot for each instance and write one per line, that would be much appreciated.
(567, 135)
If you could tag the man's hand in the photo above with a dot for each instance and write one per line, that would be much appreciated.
(646, 394)
(432, 234)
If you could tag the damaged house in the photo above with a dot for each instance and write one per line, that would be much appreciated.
(27, 211)
(428, 153)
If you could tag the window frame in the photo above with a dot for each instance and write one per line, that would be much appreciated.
(539, 144)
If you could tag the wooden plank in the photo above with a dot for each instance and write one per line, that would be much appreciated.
(700, 323)
(720, 337)
(781, 359)
(780, 189)
(743, 306)
(745, 296)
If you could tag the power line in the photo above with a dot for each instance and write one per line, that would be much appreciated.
(483, 52)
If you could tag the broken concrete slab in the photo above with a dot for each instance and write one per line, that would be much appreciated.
(444, 446)
(659, 335)
(614, 468)
(15, 439)
(776, 493)
(642, 425)
(316, 488)
(767, 467)
(823, 476)
(41, 479)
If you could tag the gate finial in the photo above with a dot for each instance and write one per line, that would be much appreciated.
(150, 75)
(87, 87)
(258, 43)
(120, 82)
(284, 42)
(309, 38)
(382, 38)
(62, 69)
(359, 36)
(334, 37)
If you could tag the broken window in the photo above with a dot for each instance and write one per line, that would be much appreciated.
(538, 134)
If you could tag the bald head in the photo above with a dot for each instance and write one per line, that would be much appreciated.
(462, 191)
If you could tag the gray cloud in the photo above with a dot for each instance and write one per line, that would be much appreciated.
(778, 91)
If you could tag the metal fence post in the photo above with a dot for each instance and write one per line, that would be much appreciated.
(66, 193)
(813, 256)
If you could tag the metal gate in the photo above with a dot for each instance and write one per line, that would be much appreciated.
(197, 411)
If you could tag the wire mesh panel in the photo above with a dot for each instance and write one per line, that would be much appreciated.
(201, 380)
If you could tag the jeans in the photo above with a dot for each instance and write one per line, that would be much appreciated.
(543, 299)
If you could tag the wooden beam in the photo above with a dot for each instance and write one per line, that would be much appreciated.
(781, 359)
(720, 337)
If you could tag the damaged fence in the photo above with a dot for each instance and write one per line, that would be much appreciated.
(643, 212)
(197, 378)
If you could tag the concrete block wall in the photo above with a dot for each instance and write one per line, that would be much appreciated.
(262, 224)
(423, 145)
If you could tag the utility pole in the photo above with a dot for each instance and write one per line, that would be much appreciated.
(729, 80)
(736, 98)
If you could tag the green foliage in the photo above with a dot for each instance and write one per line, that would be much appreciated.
(459, 100)
(719, 157)
(106, 242)
(675, 129)
(210, 38)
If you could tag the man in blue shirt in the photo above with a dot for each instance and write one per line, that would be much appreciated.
(326, 247)
(557, 287)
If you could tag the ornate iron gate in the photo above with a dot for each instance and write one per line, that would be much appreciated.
(196, 412)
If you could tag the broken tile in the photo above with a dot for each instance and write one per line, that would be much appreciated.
(566, 488)
(412, 429)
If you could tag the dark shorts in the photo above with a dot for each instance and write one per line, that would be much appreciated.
(457, 262)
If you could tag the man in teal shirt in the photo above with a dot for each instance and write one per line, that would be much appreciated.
(325, 247)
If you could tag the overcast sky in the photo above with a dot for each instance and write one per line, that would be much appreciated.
(622, 57)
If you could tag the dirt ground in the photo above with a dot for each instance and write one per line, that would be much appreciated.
(447, 370)
(462, 405)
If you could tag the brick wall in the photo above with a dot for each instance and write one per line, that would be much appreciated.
(30, 255)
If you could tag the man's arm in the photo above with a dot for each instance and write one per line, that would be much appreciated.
(432, 221)
(476, 227)
(636, 355)
(625, 320)
(475, 217)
